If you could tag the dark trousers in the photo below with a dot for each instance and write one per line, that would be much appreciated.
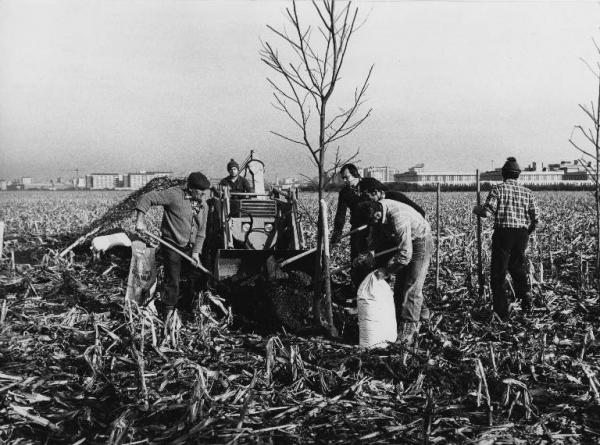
(357, 246)
(408, 288)
(508, 253)
(179, 271)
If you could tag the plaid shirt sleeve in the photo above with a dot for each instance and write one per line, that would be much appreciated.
(491, 202)
(533, 211)
(404, 238)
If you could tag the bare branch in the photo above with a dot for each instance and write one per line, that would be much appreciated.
(346, 127)
(581, 149)
(311, 75)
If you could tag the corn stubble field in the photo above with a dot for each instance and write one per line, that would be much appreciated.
(79, 365)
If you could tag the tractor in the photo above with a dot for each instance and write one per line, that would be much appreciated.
(257, 228)
(257, 248)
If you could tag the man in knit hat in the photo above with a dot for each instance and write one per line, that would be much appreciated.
(183, 226)
(235, 182)
(515, 218)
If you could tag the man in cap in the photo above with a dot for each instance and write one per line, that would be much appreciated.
(515, 218)
(183, 226)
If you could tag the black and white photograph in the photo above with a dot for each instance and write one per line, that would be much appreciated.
(299, 222)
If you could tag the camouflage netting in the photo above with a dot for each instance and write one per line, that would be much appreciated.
(116, 215)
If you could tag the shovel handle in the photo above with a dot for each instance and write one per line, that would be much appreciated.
(314, 249)
(176, 250)
(378, 254)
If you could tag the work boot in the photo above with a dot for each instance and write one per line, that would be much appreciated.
(408, 332)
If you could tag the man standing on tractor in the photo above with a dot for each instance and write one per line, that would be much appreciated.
(235, 182)
(515, 218)
(183, 226)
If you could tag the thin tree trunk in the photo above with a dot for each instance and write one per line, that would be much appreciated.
(597, 123)
(437, 238)
(326, 275)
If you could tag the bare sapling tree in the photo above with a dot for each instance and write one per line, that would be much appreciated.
(308, 71)
(586, 139)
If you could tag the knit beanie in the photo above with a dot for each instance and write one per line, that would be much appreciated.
(511, 165)
(231, 164)
(371, 185)
(198, 181)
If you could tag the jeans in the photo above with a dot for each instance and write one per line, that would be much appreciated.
(175, 269)
(408, 289)
(508, 253)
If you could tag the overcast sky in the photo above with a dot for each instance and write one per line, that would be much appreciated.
(123, 86)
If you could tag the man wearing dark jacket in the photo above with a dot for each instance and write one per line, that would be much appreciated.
(235, 182)
(351, 195)
(515, 218)
(183, 225)
(348, 200)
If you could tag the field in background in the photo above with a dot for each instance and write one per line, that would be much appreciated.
(565, 235)
(78, 365)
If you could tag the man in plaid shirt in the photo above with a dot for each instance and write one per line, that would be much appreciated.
(515, 218)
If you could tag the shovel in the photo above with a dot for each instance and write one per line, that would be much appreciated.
(274, 267)
(183, 254)
(377, 254)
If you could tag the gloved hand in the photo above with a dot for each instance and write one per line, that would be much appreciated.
(382, 273)
(366, 259)
(480, 211)
(394, 265)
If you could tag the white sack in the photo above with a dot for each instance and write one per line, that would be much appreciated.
(376, 313)
(103, 243)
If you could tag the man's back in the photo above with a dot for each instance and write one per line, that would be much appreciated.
(401, 197)
(400, 216)
(512, 204)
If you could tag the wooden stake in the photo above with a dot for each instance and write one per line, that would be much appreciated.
(437, 238)
(326, 275)
(490, 408)
(1, 237)
(13, 266)
(479, 261)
